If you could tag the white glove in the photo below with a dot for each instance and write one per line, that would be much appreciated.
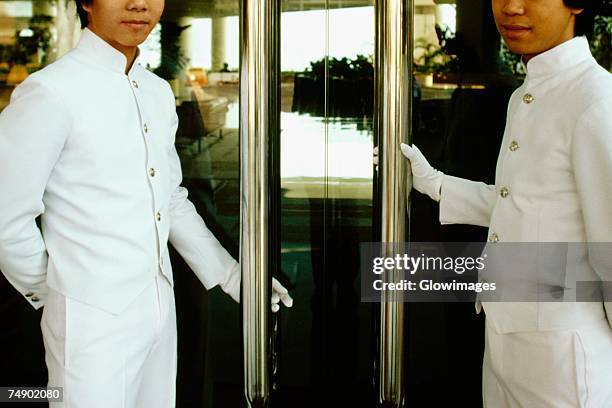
(280, 294)
(425, 179)
(231, 286)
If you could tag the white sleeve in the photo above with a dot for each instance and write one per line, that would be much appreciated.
(33, 130)
(592, 164)
(189, 234)
(466, 202)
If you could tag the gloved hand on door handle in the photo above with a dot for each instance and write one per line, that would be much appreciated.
(425, 179)
(231, 286)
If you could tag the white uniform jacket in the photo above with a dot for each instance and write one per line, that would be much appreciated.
(92, 150)
(553, 180)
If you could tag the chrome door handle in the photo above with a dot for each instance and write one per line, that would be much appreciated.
(393, 113)
(259, 127)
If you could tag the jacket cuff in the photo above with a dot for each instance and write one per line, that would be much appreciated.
(231, 283)
(34, 292)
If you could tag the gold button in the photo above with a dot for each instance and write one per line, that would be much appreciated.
(135, 84)
(34, 299)
(514, 146)
(504, 192)
(494, 237)
(158, 216)
(152, 172)
(146, 128)
(528, 98)
(29, 294)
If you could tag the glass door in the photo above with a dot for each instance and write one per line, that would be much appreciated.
(327, 344)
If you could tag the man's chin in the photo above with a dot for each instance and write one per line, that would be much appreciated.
(133, 40)
(516, 48)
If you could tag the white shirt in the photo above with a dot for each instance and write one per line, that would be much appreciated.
(553, 180)
(92, 150)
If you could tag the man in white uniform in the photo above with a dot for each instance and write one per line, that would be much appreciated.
(88, 142)
(553, 184)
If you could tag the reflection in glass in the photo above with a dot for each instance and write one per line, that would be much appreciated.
(326, 175)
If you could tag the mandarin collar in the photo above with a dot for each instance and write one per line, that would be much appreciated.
(560, 58)
(104, 53)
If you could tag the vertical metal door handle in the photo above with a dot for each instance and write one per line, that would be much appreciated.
(259, 138)
(394, 45)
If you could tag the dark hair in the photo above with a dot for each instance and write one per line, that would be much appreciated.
(585, 21)
(81, 12)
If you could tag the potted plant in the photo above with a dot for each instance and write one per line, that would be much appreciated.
(30, 50)
(37, 42)
(432, 60)
(349, 83)
(173, 59)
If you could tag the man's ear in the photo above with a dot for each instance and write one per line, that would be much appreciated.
(86, 7)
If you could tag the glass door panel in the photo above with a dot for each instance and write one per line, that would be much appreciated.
(350, 324)
(303, 195)
(326, 174)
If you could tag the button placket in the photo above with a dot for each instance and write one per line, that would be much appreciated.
(510, 130)
(151, 170)
(515, 128)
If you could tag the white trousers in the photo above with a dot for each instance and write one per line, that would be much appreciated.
(548, 369)
(113, 361)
